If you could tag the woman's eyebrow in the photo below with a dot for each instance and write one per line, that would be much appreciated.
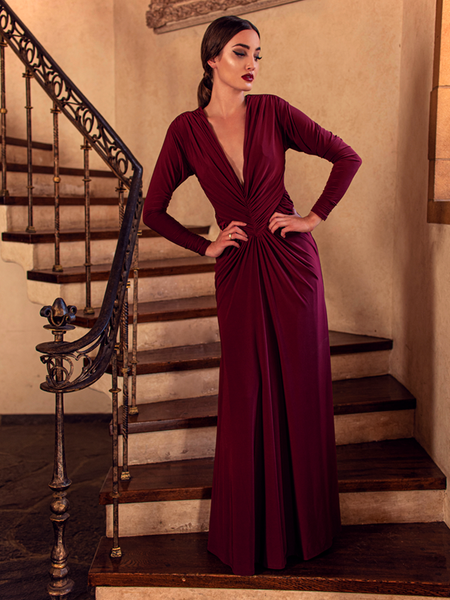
(245, 46)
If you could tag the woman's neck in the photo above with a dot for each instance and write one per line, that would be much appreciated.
(225, 102)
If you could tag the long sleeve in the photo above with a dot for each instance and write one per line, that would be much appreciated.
(304, 135)
(171, 170)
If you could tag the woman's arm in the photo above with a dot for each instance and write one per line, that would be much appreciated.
(304, 135)
(170, 171)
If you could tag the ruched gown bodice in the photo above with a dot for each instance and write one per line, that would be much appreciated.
(275, 483)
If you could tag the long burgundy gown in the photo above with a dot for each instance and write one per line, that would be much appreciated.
(275, 489)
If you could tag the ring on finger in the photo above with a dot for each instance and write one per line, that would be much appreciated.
(230, 236)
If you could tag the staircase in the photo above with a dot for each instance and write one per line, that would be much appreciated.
(393, 540)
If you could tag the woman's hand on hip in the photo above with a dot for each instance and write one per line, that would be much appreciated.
(227, 237)
(294, 222)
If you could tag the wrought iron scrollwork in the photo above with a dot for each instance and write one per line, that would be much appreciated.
(66, 95)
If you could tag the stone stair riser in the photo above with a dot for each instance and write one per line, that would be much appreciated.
(18, 154)
(164, 334)
(42, 256)
(70, 185)
(168, 386)
(203, 382)
(168, 593)
(199, 442)
(181, 516)
(41, 292)
(71, 217)
(176, 286)
(150, 288)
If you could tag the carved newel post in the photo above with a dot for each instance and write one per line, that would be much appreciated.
(59, 317)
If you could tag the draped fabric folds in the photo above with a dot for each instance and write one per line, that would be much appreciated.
(275, 483)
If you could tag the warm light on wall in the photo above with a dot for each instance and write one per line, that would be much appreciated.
(439, 140)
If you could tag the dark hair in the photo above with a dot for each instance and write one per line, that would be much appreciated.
(218, 34)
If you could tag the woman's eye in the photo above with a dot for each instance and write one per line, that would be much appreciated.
(258, 57)
(239, 53)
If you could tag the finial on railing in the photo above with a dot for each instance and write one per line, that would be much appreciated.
(59, 315)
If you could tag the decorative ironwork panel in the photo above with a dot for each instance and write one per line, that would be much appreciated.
(169, 15)
(65, 94)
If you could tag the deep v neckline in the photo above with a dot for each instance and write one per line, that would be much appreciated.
(217, 142)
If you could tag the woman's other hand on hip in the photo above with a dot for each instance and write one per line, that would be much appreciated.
(293, 223)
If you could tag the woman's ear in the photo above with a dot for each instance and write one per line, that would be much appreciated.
(212, 63)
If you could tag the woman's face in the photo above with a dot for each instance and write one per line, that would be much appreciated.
(238, 63)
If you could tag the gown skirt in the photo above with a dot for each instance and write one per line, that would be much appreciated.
(275, 489)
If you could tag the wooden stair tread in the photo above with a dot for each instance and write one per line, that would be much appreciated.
(204, 356)
(163, 310)
(351, 396)
(397, 559)
(369, 467)
(78, 235)
(63, 201)
(184, 413)
(147, 268)
(12, 141)
(349, 343)
(49, 170)
(371, 394)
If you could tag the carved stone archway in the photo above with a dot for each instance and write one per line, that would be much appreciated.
(169, 15)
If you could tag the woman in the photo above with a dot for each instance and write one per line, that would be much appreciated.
(275, 488)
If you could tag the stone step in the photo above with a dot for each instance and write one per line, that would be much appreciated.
(367, 560)
(35, 251)
(14, 167)
(164, 310)
(103, 182)
(149, 268)
(170, 323)
(158, 279)
(369, 357)
(368, 409)
(152, 288)
(390, 481)
(204, 356)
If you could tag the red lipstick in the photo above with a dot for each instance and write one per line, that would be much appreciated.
(248, 77)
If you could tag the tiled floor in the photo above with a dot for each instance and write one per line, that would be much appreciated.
(26, 535)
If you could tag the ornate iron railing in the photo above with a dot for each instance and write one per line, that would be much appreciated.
(98, 348)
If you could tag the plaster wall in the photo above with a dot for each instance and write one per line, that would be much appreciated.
(339, 62)
(421, 282)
